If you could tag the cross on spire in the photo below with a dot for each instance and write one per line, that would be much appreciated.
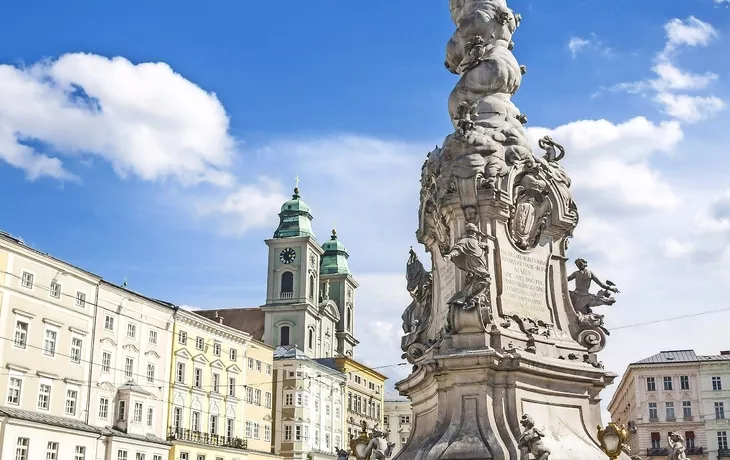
(297, 181)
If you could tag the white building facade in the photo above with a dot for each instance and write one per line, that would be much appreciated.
(310, 399)
(129, 386)
(46, 315)
(715, 386)
(397, 419)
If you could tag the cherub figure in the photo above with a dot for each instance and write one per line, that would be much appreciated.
(530, 441)
(676, 446)
(378, 448)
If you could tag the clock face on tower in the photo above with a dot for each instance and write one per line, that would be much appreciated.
(288, 255)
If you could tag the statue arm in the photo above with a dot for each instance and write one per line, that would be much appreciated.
(601, 283)
(571, 277)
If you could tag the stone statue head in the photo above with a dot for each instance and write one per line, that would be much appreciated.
(675, 436)
(470, 214)
(472, 230)
(377, 432)
(527, 422)
(581, 263)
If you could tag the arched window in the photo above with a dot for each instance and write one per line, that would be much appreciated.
(311, 338)
(349, 318)
(284, 336)
(312, 288)
(287, 285)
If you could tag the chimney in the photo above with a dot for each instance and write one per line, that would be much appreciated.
(725, 353)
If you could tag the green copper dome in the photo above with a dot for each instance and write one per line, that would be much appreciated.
(295, 218)
(334, 259)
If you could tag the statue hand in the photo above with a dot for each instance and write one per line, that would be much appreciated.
(447, 257)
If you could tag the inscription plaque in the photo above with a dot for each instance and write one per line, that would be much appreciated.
(523, 283)
(446, 272)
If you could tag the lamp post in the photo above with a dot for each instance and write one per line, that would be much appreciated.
(612, 439)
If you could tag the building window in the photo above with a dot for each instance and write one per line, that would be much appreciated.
(298, 433)
(249, 395)
(21, 333)
(719, 410)
(669, 407)
(128, 367)
(267, 400)
(80, 453)
(158, 457)
(214, 424)
(267, 433)
(137, 415)
(103, 407)
(232, 386)
(258, 366)
(71, 398)
(75, 354)
(284, 336)
(337, 440)
(195, 421)
(667, 384)
(52, 450)
(689, 439)
(106, 361)
(131, 331)
(153, 337)
(250, 363)
(27, 280)
(287, 285)
(232, 354)
(686, 409)
(716, 383)
(201, 457)
(327, 410)
(653, 412)
(49, 345)
(684, 382)
(55, 290)
(80, 299)
(656, 440)
(257, 397)
(199, 343)
(268, 369)
(289, 399)
(248, 429)
(122, 454)
(21, 449)
(326, 440)
(312, 288)
(349, 318)
(180, 373)
(177, 417)
(722, 440)
(230, 427)
(216, 383)
(182, 337)
(150, 373)
(139, 456)
(44, 396)
(349, 401)
(650, 384)
(197, 377)
(15, 387)
(287, 433)
(311, 339)
(216, 349)
(109, 323)
(122, 415)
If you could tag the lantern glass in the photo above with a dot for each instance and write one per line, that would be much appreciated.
(612, 441)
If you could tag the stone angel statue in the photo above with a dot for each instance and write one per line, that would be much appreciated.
(378, 448)
(581, 297)
(530, 441)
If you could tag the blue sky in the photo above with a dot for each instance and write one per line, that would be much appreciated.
(177, 182)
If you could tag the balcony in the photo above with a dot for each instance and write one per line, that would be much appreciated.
(286, 295)
(722, 453)
(179, 434)
(657, 452)
(694, 451)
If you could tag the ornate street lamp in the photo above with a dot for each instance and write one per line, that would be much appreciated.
(612, 439)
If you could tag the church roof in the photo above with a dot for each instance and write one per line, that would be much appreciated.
(334, 259)
(295, 218)
(682, 356)
(249, 320)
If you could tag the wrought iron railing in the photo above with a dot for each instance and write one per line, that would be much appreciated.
(657, 451)
(180, 434)
(694, 451)
(723, 453)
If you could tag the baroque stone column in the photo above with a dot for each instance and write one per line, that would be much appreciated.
(504, 364)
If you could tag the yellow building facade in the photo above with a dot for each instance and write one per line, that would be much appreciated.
(210, 416)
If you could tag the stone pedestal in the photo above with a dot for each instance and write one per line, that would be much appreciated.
(504, 354)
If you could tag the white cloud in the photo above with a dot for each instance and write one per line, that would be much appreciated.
(144, 119)
(675, 249)
(690, 109)
(665, 89)
(692, 32)
(576, 44)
